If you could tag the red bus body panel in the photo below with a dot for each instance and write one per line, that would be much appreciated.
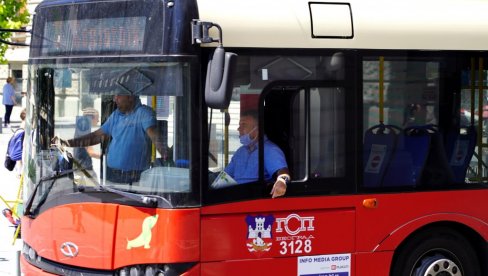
(224, 237)
(175, 237)
(103, 233)
(90, 226)
(398, 215)
(219, 236)
(342, 225)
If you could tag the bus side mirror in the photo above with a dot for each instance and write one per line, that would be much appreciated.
(220, 77)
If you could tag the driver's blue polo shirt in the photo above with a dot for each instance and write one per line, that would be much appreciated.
(130, 148)
(244, 165)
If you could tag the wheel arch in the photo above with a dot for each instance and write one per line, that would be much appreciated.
(477, 242)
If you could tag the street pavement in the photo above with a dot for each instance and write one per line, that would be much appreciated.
(9, 185)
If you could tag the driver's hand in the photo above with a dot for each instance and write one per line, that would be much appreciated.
(57, 141)
(279, 189)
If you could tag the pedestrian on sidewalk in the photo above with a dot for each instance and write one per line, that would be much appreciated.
(19, 167)
(8, 100)
(23, 114)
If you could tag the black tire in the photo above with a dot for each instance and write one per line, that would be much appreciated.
(436, 252)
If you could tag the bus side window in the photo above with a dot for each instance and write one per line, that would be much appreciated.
(327, 132)
(279, 126)
(286, 111)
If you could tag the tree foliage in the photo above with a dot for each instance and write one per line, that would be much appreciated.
(13, 15)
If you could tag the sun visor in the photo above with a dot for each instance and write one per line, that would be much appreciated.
(150, 81)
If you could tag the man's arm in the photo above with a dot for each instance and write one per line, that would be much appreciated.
(275, 164)
(89, 139)
(157, 140)
(279, 187)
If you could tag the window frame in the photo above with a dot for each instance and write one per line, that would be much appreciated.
(320, 185)
(308, 186)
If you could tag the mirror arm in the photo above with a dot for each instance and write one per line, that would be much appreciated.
(200, 32)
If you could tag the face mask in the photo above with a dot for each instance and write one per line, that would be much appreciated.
(245, 139)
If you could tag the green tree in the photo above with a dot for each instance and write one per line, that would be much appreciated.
(13, 15)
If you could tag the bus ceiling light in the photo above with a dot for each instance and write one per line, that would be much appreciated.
(220, 68)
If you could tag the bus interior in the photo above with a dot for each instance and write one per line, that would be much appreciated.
(402, 120)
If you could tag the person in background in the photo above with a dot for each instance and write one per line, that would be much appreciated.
(8, 100)
(19, 165)
(412, 115)
(243, 166)
(132, 127)
(23, 114)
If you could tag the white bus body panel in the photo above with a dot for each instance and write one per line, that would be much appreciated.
(384, 24)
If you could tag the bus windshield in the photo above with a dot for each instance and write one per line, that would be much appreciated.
(72, 101)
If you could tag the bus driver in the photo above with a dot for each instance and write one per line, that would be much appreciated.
(243, 166)
(132, 127)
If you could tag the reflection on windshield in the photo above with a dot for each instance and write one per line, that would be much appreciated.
(60, 180)
(125, 126)
(57, 180)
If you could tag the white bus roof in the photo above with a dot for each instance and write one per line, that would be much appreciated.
(381, 24)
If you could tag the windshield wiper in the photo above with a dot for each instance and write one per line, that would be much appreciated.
(151, 200)
(62, 163)
(53, 177)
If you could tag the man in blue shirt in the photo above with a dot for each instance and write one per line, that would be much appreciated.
(8, 100)
(243, 166)
(132, 127)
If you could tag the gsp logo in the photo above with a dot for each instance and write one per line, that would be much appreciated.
(294, 224)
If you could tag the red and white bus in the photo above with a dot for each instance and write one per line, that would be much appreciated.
(388, 176)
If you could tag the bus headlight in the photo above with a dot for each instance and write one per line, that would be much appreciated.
(154, 269)
(141, 270)
(150, 270)
(30, 254)
(124, 272)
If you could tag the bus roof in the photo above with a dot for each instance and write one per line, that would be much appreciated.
(356, 24)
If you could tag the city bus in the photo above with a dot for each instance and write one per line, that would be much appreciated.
(377, 107)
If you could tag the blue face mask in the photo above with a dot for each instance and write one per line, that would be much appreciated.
(245, 139)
